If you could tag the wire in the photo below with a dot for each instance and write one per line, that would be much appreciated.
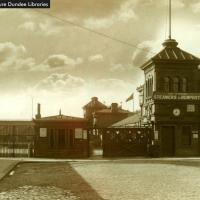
(95, 32)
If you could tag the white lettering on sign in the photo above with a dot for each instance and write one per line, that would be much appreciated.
(177, 97)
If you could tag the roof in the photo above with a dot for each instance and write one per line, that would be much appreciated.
(128, 122)
(16, 122)
(62, 118)
(108, 110)
(171, 52)
(94, 103)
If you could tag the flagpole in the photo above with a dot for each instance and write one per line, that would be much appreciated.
(170, 19)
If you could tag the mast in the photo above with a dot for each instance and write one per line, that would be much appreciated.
(170, 19)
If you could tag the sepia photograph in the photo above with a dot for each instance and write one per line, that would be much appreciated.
(100, 99)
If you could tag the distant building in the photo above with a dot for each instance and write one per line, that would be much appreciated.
(108, 116)
(90, 108)
(60, 136)
(170, 100)
(101, 116)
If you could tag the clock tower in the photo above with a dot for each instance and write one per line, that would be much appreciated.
(172, 100)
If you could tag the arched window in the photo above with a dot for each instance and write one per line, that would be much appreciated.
(146, 88)
(184, 85)
(151, 86)
(166, 84)
(175, 84)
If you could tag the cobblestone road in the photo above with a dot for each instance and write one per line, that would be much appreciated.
(38, 193)
(46, 181)
(142, 181)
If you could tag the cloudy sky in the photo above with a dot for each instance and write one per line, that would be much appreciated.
(62, 66)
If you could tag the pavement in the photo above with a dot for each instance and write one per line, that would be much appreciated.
(122, 178)
(6, 166)
(142, 180)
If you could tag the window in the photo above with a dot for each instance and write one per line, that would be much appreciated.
(190, 108)
(186, 136)
(166, 84)
(175, 84)
(146, 84)
(184, 85)
(151, 86)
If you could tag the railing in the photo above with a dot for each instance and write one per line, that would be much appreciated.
(16, 145)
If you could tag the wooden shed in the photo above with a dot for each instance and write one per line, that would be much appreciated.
(61, 136)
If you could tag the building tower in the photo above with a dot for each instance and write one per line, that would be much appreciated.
(172, 99)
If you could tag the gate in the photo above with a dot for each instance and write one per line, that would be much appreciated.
(126, 141)
(16, 141)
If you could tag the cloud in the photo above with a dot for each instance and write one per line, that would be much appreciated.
(157, 3)
(9, 49)
(145, 50)
(178, 4)
(47, 27)
(124, 14)
(86, 8)
(120, 67)
(95, 23)
(96, 58)
(196, 7)
(112, 84)
(57, 62)
(175, 4)
(60, 60)
(117, 67)
(13, 57)
(64, 83)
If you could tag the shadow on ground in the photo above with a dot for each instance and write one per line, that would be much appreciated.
(60, 175)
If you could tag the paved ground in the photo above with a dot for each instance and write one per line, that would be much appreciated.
(127, 179)
(6, 166)
(142, 181)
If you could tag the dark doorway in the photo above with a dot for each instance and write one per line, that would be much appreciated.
(168, 141)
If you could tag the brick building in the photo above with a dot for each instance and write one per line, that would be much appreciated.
(171, 100)
(101, 116)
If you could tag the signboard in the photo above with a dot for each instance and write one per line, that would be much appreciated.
(24, 4)
(43, 132)
(78, 133)
(177, 96)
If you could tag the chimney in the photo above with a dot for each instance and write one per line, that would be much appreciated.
(114, 107)
(38, 115)
(94, 99)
